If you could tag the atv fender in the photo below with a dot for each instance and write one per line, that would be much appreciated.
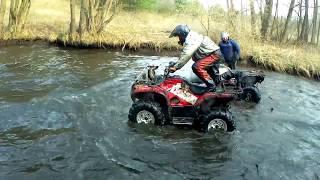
(153, 94)
(211, 101)
(146, 92)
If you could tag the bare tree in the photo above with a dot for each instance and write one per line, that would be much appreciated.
(228, 5)
(253, 18)
(285, 30)
(305, 25)
(205, 22)
(300, 19)
(83, 18)
(318, 38)
(104, 15)
(275, 19)
(266, 18)
(72, 17)
(3, 6)
(314, 22)
(95, 15)
(19, 11)
(231, 5)
(242, 8)
(260, 5)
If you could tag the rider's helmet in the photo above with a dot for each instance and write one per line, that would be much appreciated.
(224, 36)
(180, 31)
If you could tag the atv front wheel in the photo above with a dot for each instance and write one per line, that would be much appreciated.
(217, 121)
(146, 113)
(251, 94)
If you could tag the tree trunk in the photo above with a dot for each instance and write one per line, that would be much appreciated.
(242, 9)
(228, 5)
(205, 23)
(111, 5)
(318, 38)
(91, 15)
(314, 22)
(95, 15)
(285, 30)
(23, 13)
(83, 17)
(231, 5)
(299, 22)
(260, 9)
(3, 6)
(72, 29)
(101, 12)
(12, 15)
(253, 18)
(19, 11)
(279, 26)
(305, 24)
(275, 19)
(266, 18)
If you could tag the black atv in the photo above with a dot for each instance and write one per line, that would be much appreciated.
(242, 83)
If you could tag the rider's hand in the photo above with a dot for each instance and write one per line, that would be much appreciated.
(172, 69)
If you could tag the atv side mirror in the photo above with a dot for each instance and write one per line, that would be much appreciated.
(151, 72)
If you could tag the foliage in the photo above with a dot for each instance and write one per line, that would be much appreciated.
(180, 5)
(193, 7)
(146, 4)
(140, 4)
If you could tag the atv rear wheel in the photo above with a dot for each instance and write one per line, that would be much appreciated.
(251, 94)
(217, 121)
(147, 113)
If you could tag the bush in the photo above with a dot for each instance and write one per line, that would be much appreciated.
(146, 4)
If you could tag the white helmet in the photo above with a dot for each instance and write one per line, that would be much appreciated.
(224, 35)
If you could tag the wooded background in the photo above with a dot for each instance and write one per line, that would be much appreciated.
(297, 26)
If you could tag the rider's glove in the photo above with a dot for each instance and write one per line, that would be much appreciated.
(172, 69)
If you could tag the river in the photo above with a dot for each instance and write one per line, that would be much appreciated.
(63, 115)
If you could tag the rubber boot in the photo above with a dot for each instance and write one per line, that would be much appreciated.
(210, 86)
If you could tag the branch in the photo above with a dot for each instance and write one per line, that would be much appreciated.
(127, 42)
(297, 12)
(204, 26)
(105, 23)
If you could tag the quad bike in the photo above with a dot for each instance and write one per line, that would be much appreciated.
(164, 99)
(242, 83)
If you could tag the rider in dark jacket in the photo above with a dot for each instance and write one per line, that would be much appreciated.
(203, 51)
(230, 50)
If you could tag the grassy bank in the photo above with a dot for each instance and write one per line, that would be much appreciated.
(135, 30)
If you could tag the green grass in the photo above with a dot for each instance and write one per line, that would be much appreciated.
(49, 20)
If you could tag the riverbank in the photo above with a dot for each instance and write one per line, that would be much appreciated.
(144, 30)
(287, 60)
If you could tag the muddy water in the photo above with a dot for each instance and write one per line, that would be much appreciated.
(63, 115)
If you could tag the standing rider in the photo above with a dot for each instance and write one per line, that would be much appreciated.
(203, 51)
(230, 50)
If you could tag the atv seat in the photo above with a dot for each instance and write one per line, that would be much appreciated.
(196, 88)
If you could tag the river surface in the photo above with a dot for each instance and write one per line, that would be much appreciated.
(63, 115)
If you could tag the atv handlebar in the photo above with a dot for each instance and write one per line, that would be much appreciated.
(167, 69)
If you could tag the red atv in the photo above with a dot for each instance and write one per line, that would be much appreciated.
(167, 99)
